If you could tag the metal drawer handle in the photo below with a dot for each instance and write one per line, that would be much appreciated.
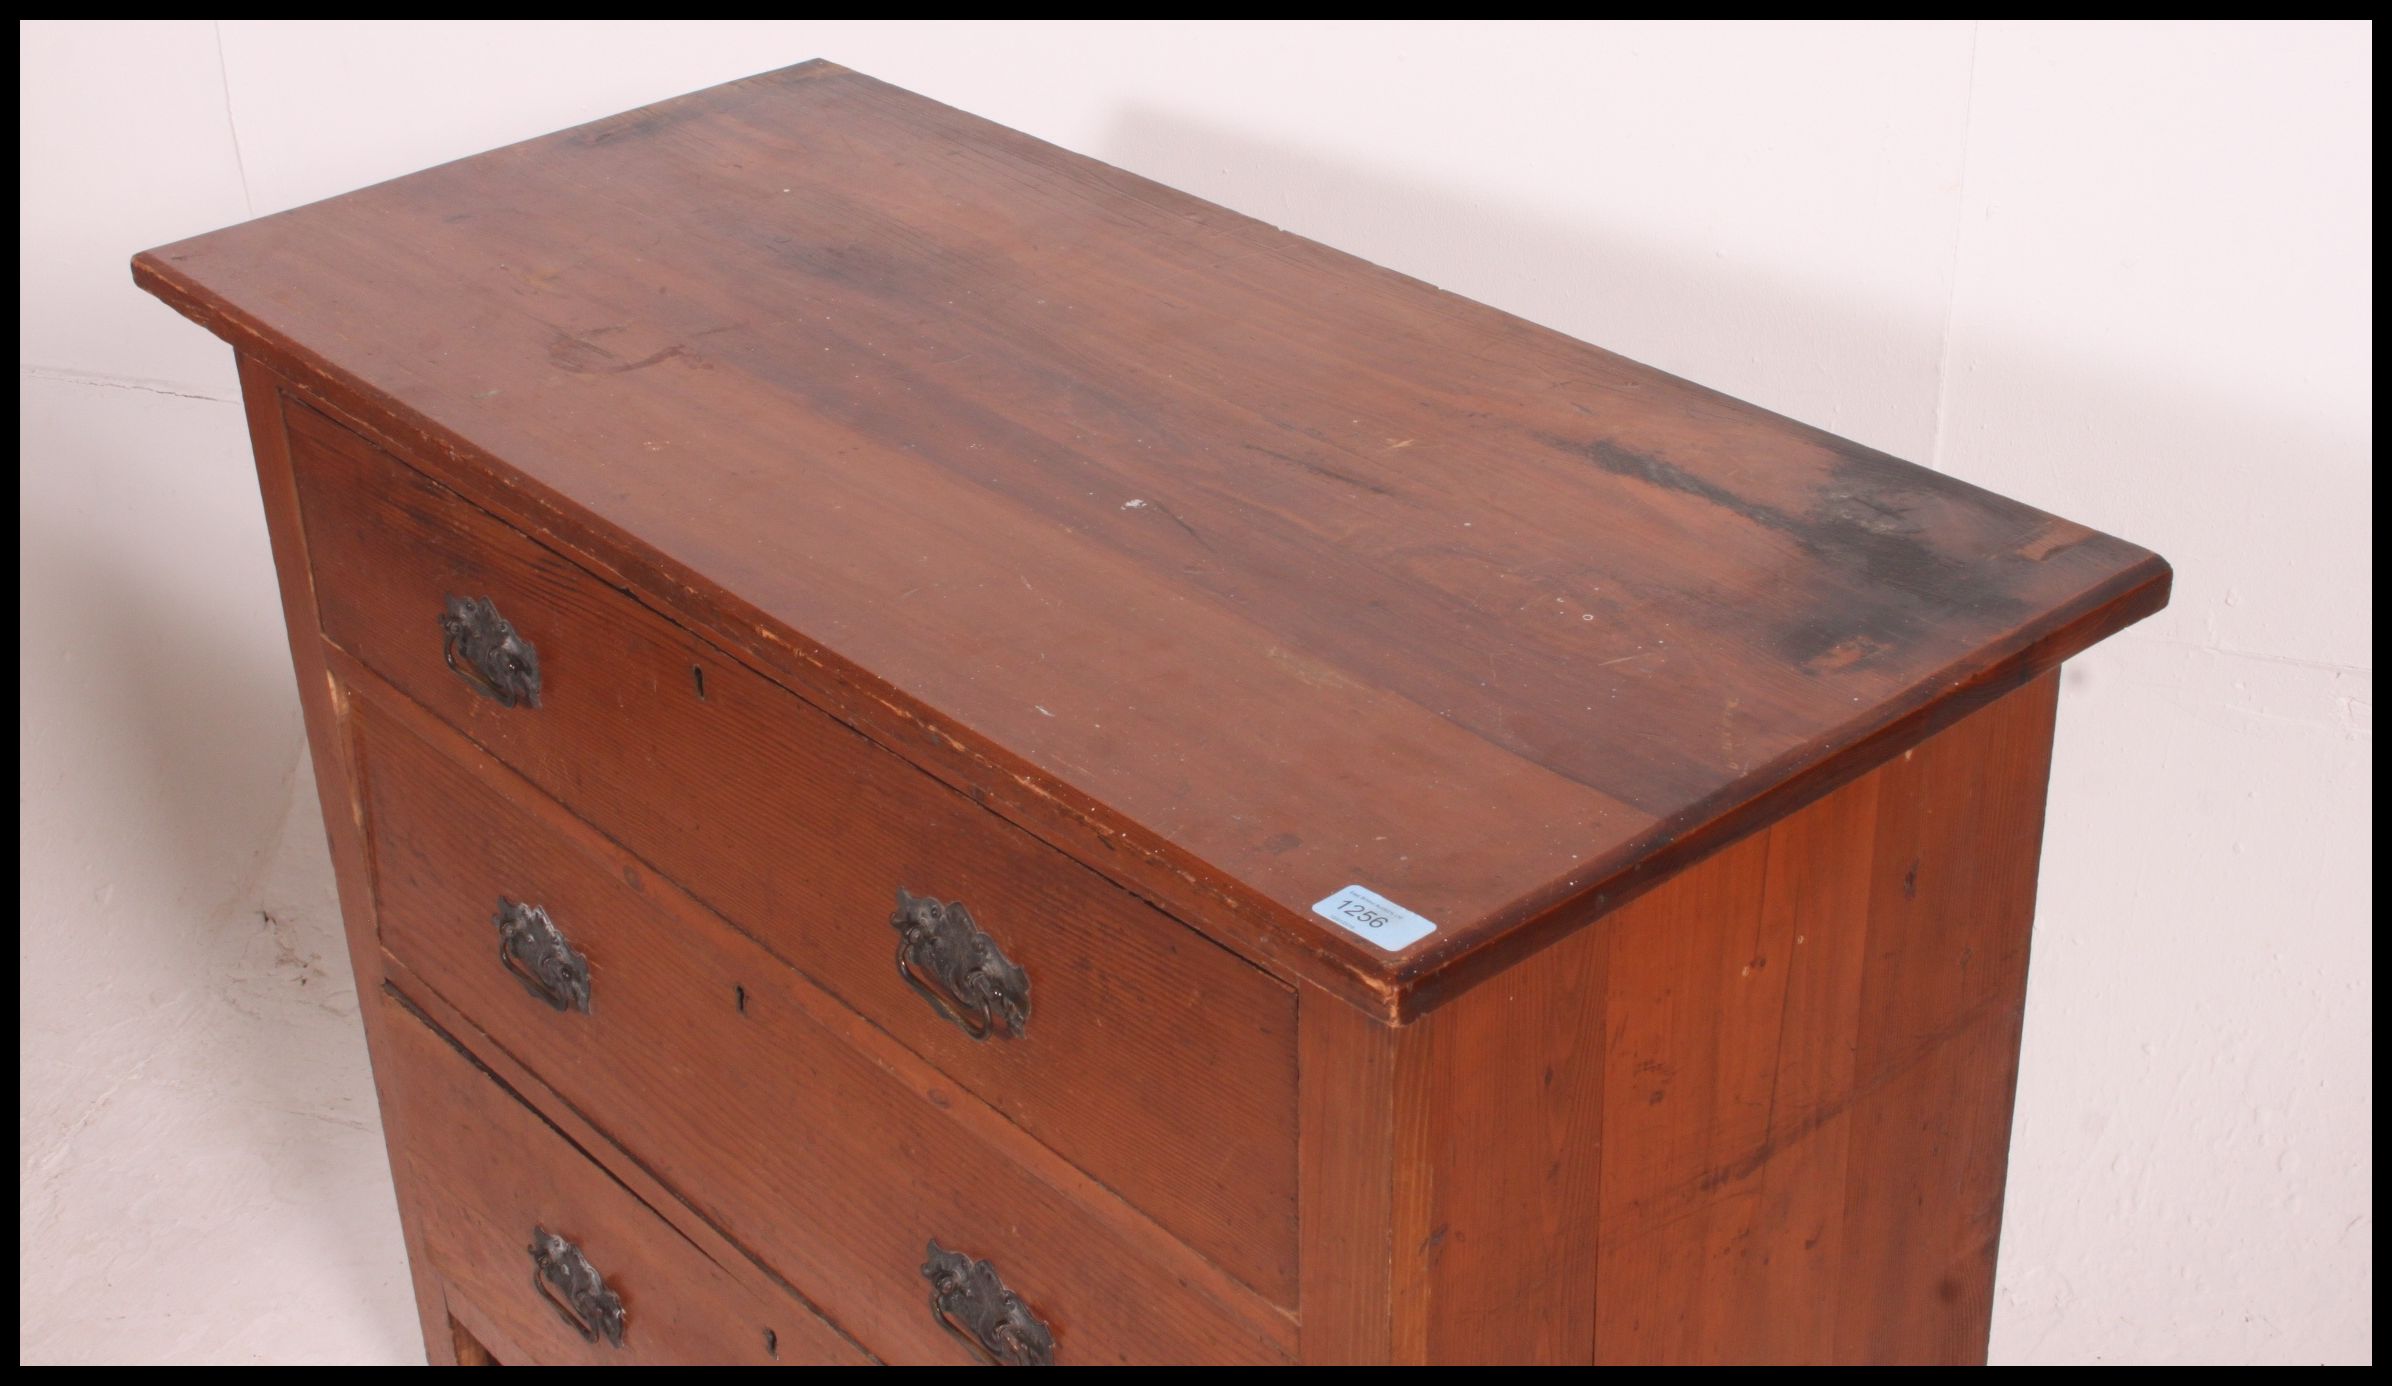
(574, 1288)
(970, 1302)
(958, 969)
(498, 663)
(532, 947)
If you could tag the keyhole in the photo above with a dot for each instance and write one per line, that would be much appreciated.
(739, 997)
(772, 1343)
(697, 675)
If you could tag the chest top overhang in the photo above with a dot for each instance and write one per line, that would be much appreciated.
(1250, 563)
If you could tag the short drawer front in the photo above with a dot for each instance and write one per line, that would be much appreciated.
(1158, 1062)
(787, 1121)
(566, 1265)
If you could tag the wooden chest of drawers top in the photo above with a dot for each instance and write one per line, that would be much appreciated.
(1237, 568)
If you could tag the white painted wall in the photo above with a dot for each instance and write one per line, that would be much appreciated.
(2122, 272)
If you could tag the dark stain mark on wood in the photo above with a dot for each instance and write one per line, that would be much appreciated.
(1173, 516)
(583, 356)
(1861, 524)
(1644, 467)
(1850, 652)
(1317, 469)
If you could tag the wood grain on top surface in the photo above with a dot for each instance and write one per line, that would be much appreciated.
(1239, 566)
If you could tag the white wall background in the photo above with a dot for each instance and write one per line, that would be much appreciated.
(2121, 272)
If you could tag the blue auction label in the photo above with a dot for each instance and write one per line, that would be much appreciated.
(1360, 910)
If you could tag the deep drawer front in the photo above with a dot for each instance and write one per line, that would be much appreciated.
(555, 1259)
(784, 1119)
(1160, 1063)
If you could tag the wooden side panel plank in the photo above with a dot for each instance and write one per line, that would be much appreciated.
(1951, 903)
(320, 705)
(1698, 995)
(1812, 1047)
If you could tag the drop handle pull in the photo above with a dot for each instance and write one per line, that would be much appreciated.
(535, 951)
(969, 1299)
(484, 649)
(955, 966)
(575, 1290)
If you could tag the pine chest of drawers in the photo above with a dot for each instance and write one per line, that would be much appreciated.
(937, 753)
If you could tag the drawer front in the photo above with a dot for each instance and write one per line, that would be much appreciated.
(1155, 1060)
(553, 1259)
(787, 1121)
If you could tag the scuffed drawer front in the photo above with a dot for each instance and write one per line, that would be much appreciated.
(1155, 1060)
(789, 1122)
(550, 1256)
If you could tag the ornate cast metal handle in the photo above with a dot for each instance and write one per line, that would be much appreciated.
(958, 969)
(970, 1302)
(531, 946)
(574, 1288)
(483, 648)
